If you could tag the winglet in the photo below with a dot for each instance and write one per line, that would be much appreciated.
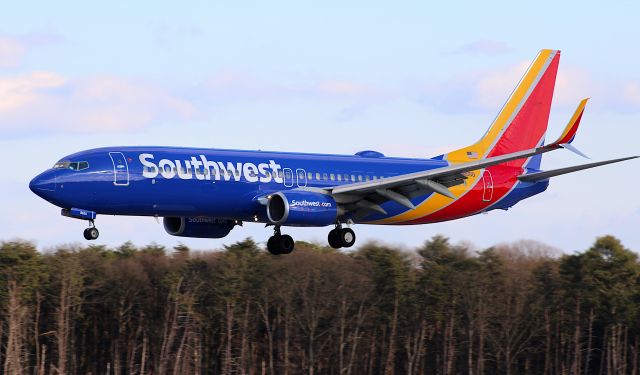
(569, 133)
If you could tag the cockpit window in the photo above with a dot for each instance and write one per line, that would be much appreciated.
(75, 165)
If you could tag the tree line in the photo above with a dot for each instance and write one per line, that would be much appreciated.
(447, 309)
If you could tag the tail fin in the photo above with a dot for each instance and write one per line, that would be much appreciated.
(522, 122)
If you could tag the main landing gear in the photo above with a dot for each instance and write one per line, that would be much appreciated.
(92, 232)
(280, 243)
(341, 237)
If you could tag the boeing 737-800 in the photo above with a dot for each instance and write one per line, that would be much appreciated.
(207, 192)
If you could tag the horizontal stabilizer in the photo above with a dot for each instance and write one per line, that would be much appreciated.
(532, 177)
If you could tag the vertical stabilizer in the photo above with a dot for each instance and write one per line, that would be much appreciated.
(522, 122)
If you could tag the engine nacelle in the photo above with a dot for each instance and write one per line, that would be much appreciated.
(301, 208)
(199, 227)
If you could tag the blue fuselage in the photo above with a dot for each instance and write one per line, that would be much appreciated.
(204, 182)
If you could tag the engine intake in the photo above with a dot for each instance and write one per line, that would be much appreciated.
(198, 227)
(301, 208)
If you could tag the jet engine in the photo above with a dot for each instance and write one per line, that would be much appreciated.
(301, 208)
(199, 227)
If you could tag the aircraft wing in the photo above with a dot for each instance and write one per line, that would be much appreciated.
(369, 194)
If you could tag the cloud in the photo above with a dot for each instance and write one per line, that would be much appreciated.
(22, 91)
(483, 47)
(14, 49)
(487, 90)
(12, 52)
(46, 102)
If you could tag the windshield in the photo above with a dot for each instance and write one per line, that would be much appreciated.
(75, 165)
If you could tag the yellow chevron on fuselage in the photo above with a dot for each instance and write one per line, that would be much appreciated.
(479, 149)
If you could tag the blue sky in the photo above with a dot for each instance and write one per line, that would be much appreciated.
(406, 78)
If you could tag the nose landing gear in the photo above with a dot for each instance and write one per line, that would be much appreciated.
(280, 243)
(341, 237)
(92, 232)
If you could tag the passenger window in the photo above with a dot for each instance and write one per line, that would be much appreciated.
(346, 177)
(333, 177)
(339, 177)
(318, 176)
(366, 178)
(288, 174)
(309, 176)
(353, 178)
(359, 177)
(325, 177)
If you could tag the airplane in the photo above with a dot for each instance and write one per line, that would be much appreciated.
(205, 193)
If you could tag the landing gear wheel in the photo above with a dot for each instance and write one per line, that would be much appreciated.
(334, 239)
(91, 234)
(347, 237)
(272, 245)
(286, 244)
(279, 243)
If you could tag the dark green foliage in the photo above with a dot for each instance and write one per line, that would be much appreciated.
(443, 309)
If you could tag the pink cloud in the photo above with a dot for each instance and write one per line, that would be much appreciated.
(20, 92)
(47, 102)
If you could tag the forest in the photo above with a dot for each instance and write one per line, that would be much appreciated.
(441, 308)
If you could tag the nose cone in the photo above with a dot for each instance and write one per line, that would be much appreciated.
(44, 184)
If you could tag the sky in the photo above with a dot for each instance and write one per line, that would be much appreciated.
(404, 78)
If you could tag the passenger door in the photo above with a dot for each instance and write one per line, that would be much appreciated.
(120, 169)
(487, 180)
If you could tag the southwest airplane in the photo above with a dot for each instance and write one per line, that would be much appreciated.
(207, 192)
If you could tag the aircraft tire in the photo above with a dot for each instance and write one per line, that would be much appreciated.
(91, 234)
(347, 237)
(286, 244)
(272, 245)
(334, 239)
